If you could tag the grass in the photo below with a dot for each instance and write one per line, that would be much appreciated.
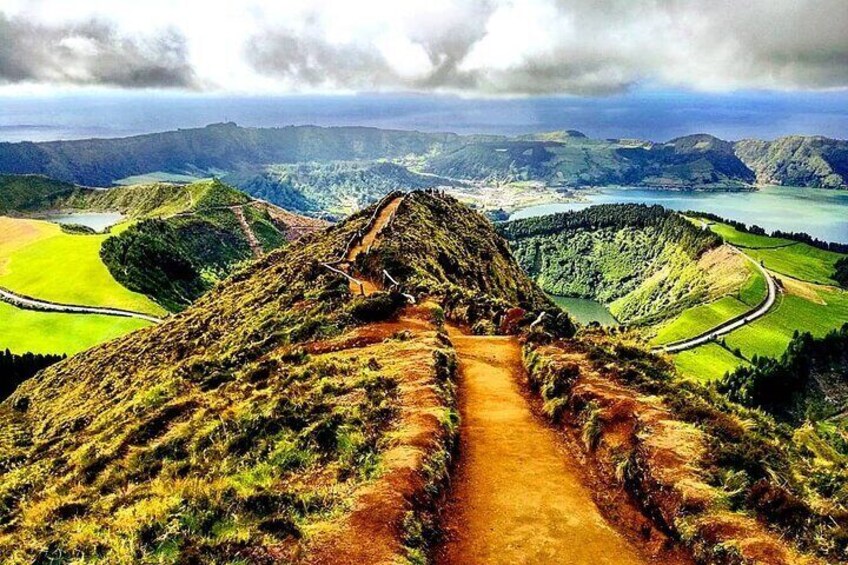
(795, 259)
(741, 239)
(38, 259)
(699, 319)
(770, 335)
(799, 261)
(706, 363)
(46, 332)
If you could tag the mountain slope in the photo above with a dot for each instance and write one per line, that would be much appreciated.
(264, 162)
(252, 426)
(218, 147)
(797, 161)
(32, 193)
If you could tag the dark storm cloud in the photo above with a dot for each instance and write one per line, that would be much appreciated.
(586, 47)
(91, 53)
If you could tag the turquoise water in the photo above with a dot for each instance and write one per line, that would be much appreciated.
(98, 221)
(585, 310)
(818, 212)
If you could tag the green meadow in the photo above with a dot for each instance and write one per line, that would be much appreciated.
(799, 261)
(824, 310)
(38, 259)
(742, 239)
(47, 332)
(706, 363)
(697, 320)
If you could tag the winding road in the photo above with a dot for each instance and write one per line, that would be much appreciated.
(734, 323)
(28, 303)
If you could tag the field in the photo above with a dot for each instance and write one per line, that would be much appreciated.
(818, 311)
(797, 260)
(742, 239)
(800, 261)
(43, 332)
(38, 259)
(706, 363)
(699, 319)
(808, 303)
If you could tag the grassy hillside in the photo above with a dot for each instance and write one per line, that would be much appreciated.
(735, 484)
(32, 193)
(437, 246)
(808, 303)
(646, 263)
(179, 241)
(797, 161)
(253, 426)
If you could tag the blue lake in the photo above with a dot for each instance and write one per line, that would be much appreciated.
(98, 221)
(818, 212)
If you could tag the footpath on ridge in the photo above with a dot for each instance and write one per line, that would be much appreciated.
(517, 497)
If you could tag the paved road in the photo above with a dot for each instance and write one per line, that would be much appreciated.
(733, 324)
(34, 304)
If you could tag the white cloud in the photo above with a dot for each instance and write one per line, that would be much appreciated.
(465, 46)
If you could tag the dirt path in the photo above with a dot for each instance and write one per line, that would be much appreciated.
(255, 247)
(517, 498)
(383, 218)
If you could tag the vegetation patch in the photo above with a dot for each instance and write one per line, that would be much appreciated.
(700, 464)
(646, 263)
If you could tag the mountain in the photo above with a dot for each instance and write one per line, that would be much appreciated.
(316, 169)
(797, 161)
(258, 424)
(337, 188)
(218, 147)
(181, 238)
(189, 237)
(284, 418)
(32, 193)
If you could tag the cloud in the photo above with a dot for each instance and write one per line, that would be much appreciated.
(584, 47)
(91, 53)
(474, 47)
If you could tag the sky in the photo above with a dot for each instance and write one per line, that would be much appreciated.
(792, 54)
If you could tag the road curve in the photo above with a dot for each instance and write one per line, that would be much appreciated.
(28, 303)
(733, 324)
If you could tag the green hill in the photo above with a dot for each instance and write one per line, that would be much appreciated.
(33, 193)
(646, 263)
(188, 237)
